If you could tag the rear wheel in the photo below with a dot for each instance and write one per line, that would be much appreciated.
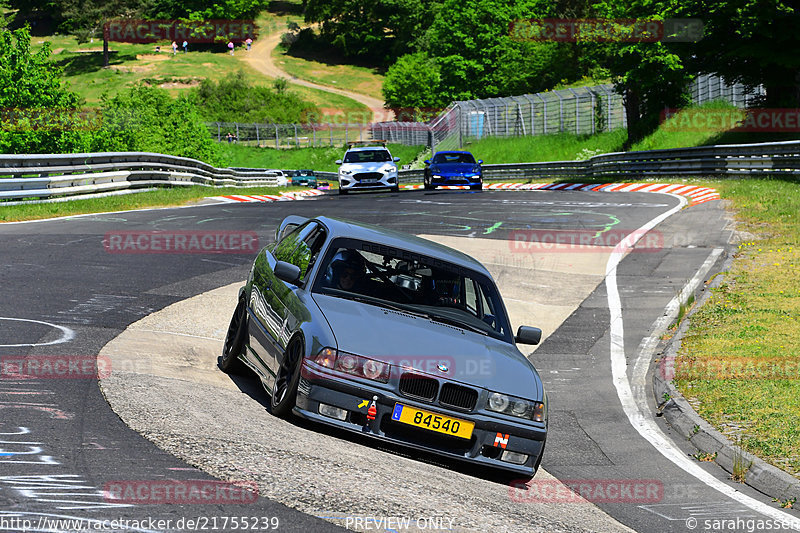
(284, 392)
(235, 341)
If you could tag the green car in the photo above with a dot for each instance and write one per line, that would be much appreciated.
(305, 178)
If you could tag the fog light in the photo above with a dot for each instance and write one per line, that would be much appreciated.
(508, 456)
(334, 412)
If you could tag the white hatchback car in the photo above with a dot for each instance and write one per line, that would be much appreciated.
(367, 167)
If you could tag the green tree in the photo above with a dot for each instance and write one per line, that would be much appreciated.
(750, 41)
(649, 75)
(377, 29)
(86, 19)
(39, 114)
(413, 82)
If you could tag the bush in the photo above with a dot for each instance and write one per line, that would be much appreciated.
(234, 99)
(147, 119)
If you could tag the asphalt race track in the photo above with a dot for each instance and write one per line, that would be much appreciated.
(67, 296)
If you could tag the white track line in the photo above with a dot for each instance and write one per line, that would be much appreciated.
(645, 425)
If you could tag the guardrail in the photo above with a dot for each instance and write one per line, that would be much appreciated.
(726, 160)
(58, 175)
(47, 176)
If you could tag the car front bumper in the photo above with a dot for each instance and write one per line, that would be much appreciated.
(367, 181)
(445, 179)
(482, 448)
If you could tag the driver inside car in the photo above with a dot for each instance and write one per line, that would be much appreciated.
(346, 271)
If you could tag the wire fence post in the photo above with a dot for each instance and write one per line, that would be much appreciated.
(277, 142)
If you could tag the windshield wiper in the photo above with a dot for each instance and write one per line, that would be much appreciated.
(457, 323)
(379, 302)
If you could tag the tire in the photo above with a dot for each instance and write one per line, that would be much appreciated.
(429, 187)
(477, 187)
(396, 188)
(284, 392)
(342, 192)
(235, 341)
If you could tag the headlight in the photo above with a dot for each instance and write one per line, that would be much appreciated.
(390, 169)
(518, 407)
(353, 364)
(437, 177)
(345, 172)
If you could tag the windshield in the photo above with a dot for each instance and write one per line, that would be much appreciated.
(418, 284)
(367, 156)
(453, 158)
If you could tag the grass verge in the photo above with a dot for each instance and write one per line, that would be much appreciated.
(158, 198)
(739, 365)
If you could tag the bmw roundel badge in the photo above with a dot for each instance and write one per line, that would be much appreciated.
(442, 367)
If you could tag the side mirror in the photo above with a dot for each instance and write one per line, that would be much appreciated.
(395, 159)
(338, 161)
(480, 161)
(528, 335)
(287, 272)
(427, 161)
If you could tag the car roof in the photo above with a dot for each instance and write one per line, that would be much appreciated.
(362, 148)
(370, 233)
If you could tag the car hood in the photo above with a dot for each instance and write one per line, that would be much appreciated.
(407, 340)
(454, 168)
(365, 167)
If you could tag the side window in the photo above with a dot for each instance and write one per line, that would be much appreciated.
(470, 298)
(301, 247)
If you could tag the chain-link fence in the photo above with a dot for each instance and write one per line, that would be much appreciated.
(708, 87)
(289, 135)
(581, 110)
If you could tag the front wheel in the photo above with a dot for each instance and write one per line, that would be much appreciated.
(235, 341)
(477, 187)
(396, 188)
(342, 192)
(284, 392)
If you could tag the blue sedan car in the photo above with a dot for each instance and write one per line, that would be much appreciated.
(392, 337)
(453, 168)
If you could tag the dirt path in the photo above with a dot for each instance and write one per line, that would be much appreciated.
(260, 58)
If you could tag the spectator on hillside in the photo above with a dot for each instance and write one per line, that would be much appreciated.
(174, 48)
(248, 42)
(185, 46)
(230, 46)
(229, 137)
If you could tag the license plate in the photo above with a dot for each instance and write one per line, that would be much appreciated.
(433, 422)
(368, 180)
